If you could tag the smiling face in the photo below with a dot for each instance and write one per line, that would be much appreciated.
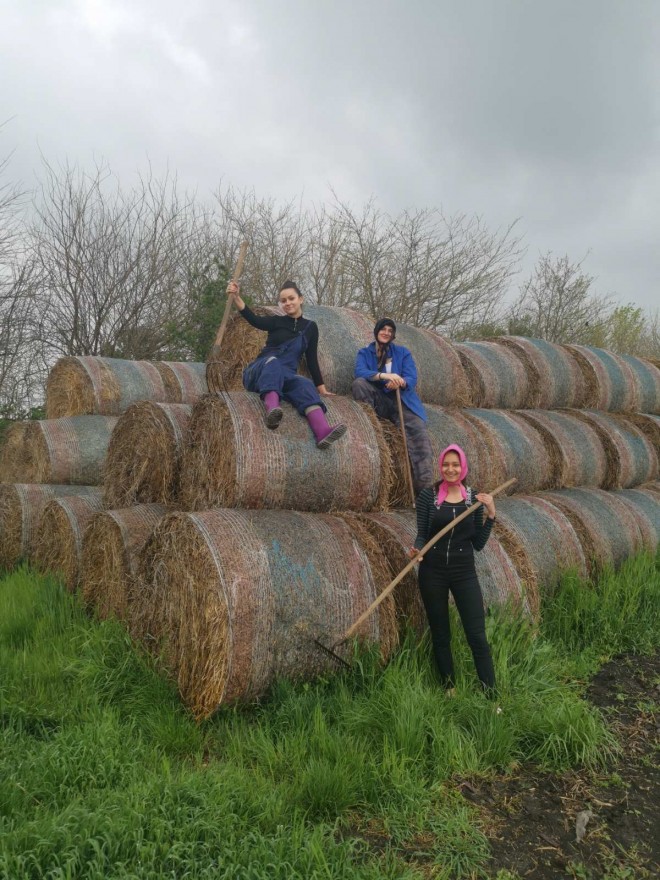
(291, 302)
(385, 335)
(451, 467)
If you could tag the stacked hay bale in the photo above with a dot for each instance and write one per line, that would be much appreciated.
(342, 332)
(232, 599)
(144, 455)
(108, 386)
(111, 545)
(21, 506)
(280, 546)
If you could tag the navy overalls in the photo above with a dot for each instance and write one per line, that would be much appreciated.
(276, 369)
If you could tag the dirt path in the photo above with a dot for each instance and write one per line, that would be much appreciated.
(533, 816)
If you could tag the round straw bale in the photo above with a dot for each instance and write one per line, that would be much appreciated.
(392, 534)
(575, 450)
(648, 424)
(342, 332)
(631, 457)
(71, 450)
(520, 445)
(496, 377)
(21, 505)
(233, 599)
(58, 538)
(610, 383)
(541, 540)
(647, 376)
(555, 378)
(652, 486)
(233, 460)
(441, 377)
(111, 545)
(98, 385)
(144, 455)
(184, 383)
(646, 507)
(607, 529)
(12, 453)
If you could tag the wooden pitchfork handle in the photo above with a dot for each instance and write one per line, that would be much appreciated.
(238, 271)
(388, 589)
(405, 445)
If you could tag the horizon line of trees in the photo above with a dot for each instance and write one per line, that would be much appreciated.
(88, 267)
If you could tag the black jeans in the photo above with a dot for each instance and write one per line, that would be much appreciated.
(436, 579)
(420, 450)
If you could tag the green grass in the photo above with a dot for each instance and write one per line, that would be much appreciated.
(103, 774)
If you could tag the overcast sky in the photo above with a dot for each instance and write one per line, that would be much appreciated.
(543, 110)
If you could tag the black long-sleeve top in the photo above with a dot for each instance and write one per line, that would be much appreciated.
(474, 529)
(283, 328)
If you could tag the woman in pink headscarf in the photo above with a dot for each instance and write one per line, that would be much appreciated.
(449, 565)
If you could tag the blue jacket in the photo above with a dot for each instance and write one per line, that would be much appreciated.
(366, 367)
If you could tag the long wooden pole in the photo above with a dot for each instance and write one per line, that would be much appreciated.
(388, 589)
(213, 361)
(405, 446)
(238, 271)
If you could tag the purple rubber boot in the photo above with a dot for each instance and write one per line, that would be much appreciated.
(273, 409)
(325, 434)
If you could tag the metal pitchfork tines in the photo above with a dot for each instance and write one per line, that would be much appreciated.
(330, 649)
(213, 364)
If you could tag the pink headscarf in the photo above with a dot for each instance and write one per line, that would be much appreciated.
(443, 488)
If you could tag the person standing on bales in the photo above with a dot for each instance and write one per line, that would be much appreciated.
(274, 373)
(381, 368)
(449, 565)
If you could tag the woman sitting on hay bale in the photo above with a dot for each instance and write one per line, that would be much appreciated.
(382, 369)
(274, 373)
(449, 565)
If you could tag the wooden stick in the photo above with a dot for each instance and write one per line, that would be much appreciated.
(388, 589)
(405, 446)
(238, 271)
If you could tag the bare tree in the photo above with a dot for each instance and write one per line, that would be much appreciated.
(422, 267)
(556, 303)
(114, 265)
(20, 376)
(277, 235)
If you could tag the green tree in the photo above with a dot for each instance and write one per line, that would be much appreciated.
(194, 338)
(625, 330)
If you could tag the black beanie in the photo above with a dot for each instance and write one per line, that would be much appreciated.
(385, 322)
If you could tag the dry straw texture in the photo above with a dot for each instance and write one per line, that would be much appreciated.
(646, 507)
(342, 332)
(21, 506)
(233, 599)
(58, 539)
(12, 454)
(234, 460)
(574, 448)
(541, 542)
(609, 381)
(184, 383)
(95, 385)
(647, 377)
(606, 527)
(519, 445)
(496, 376)
(144, 456)
(111, 545)
(66, 450)
(554, 377)
(631, 458)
